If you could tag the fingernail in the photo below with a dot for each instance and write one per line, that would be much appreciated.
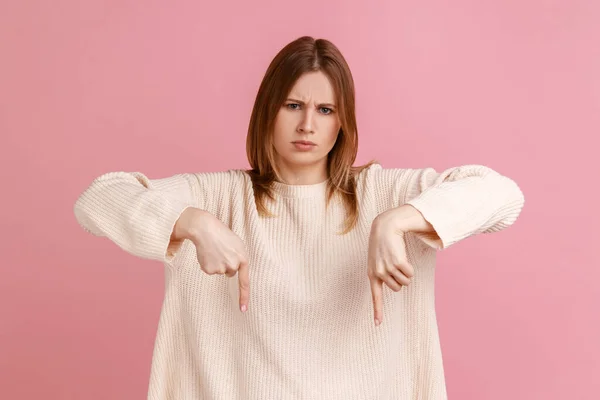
(244, 308)
(377, 322)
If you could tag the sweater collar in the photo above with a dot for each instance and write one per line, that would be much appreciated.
(299, 191)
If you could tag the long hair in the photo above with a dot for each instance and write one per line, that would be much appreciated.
(303, 55)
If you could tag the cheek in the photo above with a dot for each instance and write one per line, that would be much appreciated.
(332, 132)
(278, 129)
(282, 125)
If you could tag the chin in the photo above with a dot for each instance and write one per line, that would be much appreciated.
(302, 159)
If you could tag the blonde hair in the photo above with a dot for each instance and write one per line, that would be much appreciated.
(303, 55)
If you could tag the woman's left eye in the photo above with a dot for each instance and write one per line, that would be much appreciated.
(327, 110)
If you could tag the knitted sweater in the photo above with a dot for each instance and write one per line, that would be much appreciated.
(309, 331)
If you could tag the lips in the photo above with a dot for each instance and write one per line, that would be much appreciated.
(305, 142)
(304, 145)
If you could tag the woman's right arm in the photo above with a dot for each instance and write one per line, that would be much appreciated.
(152, 218)
(139, 214)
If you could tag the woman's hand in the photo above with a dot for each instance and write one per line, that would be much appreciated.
(387, 260)
(219, 250)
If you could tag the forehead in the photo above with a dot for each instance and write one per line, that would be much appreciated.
(313, 86)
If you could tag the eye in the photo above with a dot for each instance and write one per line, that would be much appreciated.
(292, 106)
(327, 110)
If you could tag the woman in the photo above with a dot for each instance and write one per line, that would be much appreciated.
(315, 243)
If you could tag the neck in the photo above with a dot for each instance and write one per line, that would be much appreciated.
(304, 174)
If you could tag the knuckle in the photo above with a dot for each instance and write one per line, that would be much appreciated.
(230, 267)
(407, 269)
(233, 264)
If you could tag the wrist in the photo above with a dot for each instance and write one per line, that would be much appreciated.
(406, 218)
(187, 226)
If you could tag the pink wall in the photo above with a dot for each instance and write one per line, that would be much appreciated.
(88, 87)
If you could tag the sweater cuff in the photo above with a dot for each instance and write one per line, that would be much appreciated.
(435, 216)
(156, 230)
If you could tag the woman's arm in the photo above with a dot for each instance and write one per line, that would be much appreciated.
(136, 213)
(463, 201)
(456, 203)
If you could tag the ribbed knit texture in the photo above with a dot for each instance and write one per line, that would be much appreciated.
(309, 331)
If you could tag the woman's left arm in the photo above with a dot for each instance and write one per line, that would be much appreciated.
(457, 203)
(439, 208)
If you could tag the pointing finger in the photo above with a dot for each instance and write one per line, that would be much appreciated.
(377, 293)
(244, 282)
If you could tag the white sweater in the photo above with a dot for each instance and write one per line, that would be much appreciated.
(309, 331)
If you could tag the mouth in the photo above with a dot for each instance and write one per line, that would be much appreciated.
(304, 145)
(304, 142)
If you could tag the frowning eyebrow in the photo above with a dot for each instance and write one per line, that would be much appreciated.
(320, 105)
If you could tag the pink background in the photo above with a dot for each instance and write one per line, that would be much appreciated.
(88, 87)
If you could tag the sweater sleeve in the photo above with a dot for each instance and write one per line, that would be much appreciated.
(463, 201)
(136, 213)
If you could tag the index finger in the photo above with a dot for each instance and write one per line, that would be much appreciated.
(244, 282)
(377, 293)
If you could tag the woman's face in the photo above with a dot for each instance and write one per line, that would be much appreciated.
(306, 126)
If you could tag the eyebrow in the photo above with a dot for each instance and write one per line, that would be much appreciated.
(320, 105)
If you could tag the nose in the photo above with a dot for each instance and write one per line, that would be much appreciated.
(306, 125)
